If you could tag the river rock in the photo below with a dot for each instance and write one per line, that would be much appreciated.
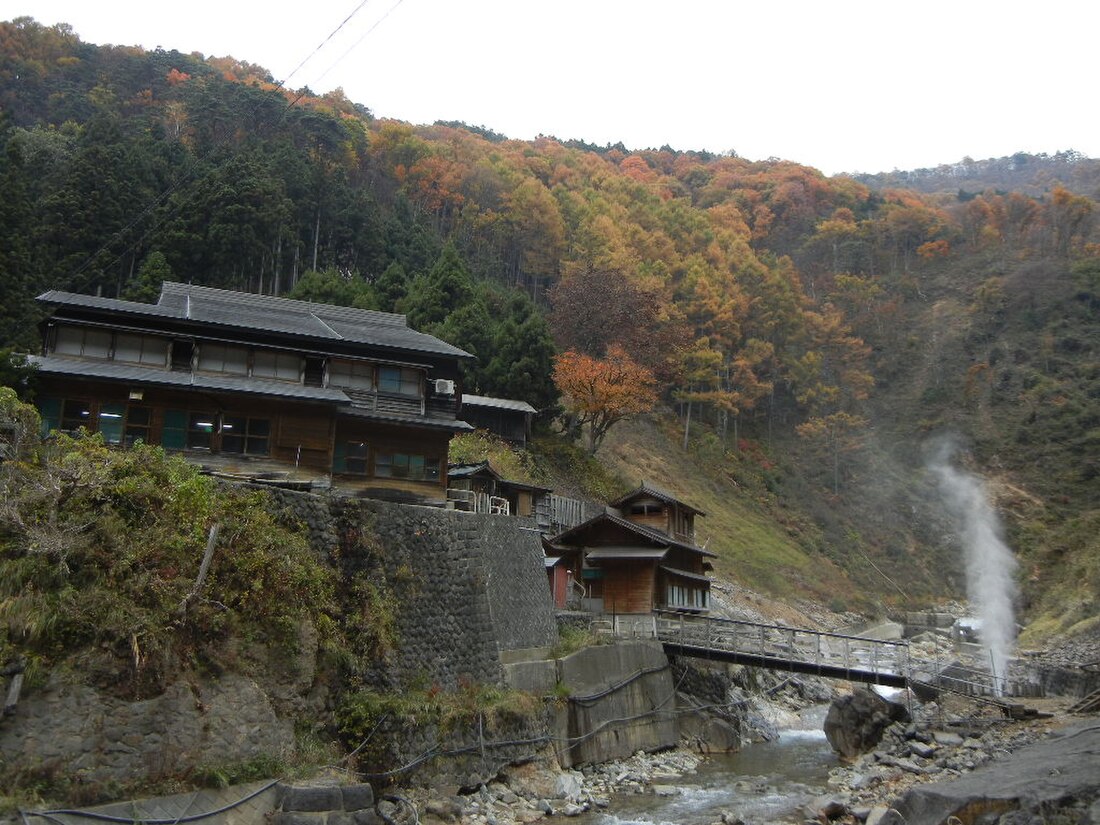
(446, 809)
(855, 723)
(922, 750)
(1039, 777)
(945, 737)
(569, 786)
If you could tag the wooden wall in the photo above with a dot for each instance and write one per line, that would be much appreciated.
(628, 587)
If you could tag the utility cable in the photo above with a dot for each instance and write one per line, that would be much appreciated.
(191, 168)
(52, 816)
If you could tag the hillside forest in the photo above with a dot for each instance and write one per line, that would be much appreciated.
(797, 340)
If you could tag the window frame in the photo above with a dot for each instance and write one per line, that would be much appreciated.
(254, 438)
(408, 381)
(354, 370)
(206, 358)
(406, 466)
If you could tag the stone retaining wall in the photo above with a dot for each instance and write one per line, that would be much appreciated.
(96, 739)
(463, 588)
(621, 700)
(467, 586)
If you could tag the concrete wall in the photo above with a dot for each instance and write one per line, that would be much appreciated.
(621, 700)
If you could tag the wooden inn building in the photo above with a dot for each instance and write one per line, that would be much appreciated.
(257, 385)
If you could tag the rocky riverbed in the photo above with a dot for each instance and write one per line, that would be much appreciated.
(944, 741)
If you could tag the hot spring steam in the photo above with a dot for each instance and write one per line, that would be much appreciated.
(990, 565)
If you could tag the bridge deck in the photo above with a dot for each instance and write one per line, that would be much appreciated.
(833, 655)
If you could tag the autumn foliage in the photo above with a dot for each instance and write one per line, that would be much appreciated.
(600, 392)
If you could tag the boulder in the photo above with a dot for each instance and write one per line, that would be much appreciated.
(855, 723)
(568, 786)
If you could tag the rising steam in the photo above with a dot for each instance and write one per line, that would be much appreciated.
(990, 565)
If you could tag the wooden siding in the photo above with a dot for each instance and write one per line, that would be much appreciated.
(300, 440)
(655, 520)
(628, 588)
(387, 438)
(306, 432)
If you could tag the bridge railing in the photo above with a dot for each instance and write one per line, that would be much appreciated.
(779, 644)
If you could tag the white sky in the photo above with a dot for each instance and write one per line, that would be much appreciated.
(848, 85)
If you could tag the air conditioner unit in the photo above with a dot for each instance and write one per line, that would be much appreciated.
(444, 386)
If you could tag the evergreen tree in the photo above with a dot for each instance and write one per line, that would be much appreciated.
(145, 287)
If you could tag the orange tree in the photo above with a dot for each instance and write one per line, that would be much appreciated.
(600, 392)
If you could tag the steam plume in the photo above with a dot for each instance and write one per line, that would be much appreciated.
(990, 565)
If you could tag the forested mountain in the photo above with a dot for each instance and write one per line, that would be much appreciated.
(1029, 174)
(808, 332)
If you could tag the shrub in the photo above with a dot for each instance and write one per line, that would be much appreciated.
(100, 551)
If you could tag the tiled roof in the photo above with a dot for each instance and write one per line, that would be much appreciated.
(133, 373)
(423, 422)
(497, 403)
(242, 310)
(655, 536)
(647, 489)
(467, 470)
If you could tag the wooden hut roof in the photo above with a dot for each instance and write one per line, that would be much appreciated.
(647, 490)
(579, 535)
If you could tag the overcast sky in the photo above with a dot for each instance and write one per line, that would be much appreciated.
(844, 86)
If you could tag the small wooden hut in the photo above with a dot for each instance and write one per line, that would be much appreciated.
(637, 556)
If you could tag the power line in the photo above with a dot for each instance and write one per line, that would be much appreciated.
(192, 166)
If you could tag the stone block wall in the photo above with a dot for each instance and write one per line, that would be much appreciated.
(463, 587)
(466, 586)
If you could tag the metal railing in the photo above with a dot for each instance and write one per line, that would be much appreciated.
(472, 502)
(787, 648)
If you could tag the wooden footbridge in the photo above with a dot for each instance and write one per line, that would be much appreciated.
(832, 655)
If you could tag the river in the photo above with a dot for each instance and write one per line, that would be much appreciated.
(763, 782)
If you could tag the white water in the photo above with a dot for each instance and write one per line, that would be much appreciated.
(763, 782)
(990, 565)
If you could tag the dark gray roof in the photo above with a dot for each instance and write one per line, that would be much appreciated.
(467, 470)
(451, 424)
(264, 313)
(574, 534)
(113, 371)
(675, 571)
(647, 489)
(498, 403)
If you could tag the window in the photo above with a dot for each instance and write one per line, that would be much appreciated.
(354, 375)
(245, 435)
(84, 342)
(405, 465)
(76, 414)
(223, 358)
(678, 595)
(173, 435)
(138, 423)
(282, 366)
(50, 410)
(141, 349)
(355, 460)
(400, 380)
(200, 429)
(111, 418)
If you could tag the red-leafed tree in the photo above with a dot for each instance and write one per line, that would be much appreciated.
(600, 392)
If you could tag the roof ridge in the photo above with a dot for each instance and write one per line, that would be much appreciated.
(279, 302)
